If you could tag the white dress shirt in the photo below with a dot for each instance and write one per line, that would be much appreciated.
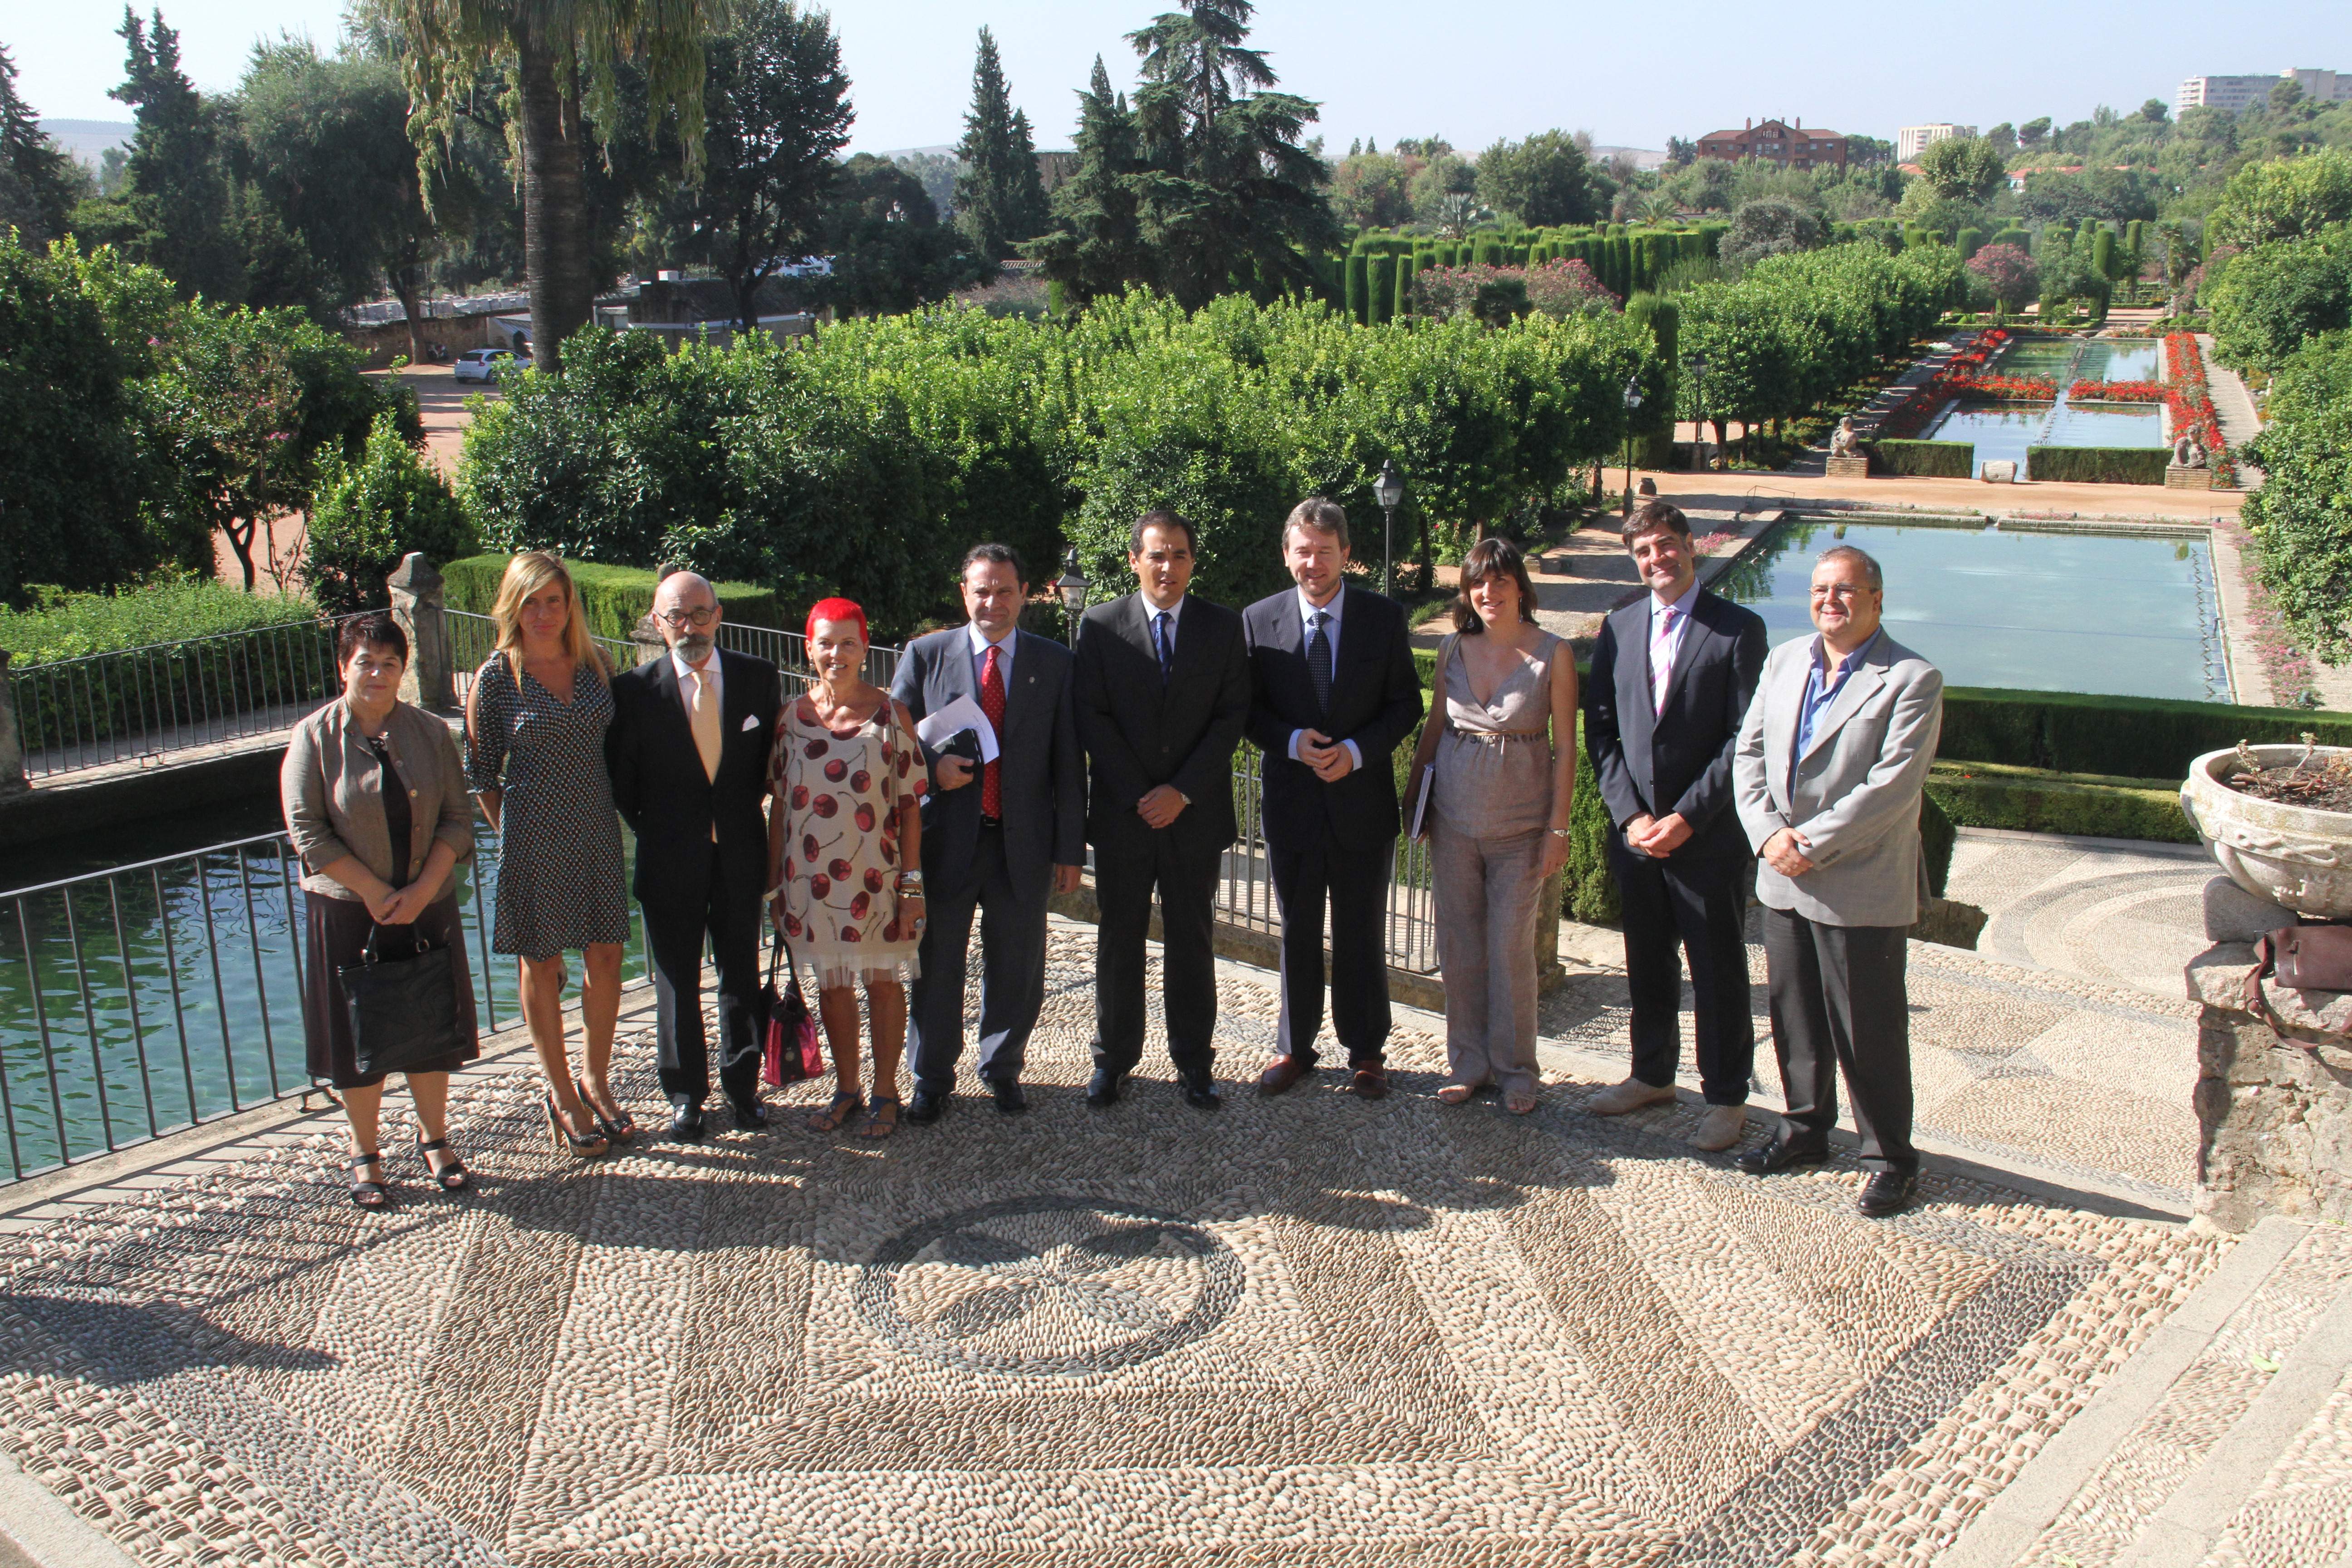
(711, 672)
(1307, 610)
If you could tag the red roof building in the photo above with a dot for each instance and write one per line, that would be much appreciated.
(1777, 142)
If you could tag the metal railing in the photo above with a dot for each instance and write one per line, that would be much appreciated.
(472, 638)
(78, 713)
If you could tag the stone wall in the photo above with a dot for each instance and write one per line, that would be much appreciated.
(2274, 1123)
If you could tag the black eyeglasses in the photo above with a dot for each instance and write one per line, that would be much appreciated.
(698, 619)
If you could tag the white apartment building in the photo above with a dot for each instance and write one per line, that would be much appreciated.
(2233, 93)
(1913, 140)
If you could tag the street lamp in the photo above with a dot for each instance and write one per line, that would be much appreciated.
(1633, 405)
(1388, 491)
(1072, 585)
(1698, 410)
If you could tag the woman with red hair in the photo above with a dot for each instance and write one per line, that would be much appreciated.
(845, 859)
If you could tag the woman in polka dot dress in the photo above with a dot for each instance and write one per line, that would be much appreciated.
(845, 859)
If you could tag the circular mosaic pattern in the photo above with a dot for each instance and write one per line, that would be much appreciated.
(1052, 1287)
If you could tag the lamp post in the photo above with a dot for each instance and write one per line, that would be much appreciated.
(1072, 585)
(1388, 491)
(1698, 410)
(1632, 406)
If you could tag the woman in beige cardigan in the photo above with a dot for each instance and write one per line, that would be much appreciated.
(377, 806)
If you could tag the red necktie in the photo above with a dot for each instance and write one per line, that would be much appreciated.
(992, 702)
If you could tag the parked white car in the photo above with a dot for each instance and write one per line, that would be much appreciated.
(482, 365)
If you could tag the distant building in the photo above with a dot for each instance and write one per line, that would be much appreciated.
(1913, 140)
(2233, 93)
(1777, 142)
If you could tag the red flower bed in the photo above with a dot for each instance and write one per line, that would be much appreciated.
(2190, 405)
(2116, 391)
(1963, 376)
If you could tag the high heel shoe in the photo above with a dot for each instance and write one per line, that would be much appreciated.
(367, 1194)
(617, 1129)
(452, 1177)
(563, 1138)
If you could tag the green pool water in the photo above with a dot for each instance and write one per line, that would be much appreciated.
(2127, 615)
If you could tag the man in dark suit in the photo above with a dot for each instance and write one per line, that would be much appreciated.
(1672, 677)
(1163, 696)
(999, 837)
(1333, 693)
(688, 756)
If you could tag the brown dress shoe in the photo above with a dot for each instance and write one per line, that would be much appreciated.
(1371, 1083)
(1279, 1075)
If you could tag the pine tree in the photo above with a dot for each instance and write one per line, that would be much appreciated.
(1097, 246)
(1237, 197)
(36, 177)
(998, 198)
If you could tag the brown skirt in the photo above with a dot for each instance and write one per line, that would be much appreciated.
(337, 931)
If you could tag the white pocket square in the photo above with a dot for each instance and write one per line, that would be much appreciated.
(753, 722)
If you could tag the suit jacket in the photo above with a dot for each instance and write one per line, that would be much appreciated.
(1140, 733)
(1854, 795)
(1375, 702)
(1656, 762)
(665, 797)
(1044, 774)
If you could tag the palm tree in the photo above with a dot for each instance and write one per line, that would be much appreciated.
(561, 58)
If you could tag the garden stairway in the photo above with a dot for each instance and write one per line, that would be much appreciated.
(2226, 1442)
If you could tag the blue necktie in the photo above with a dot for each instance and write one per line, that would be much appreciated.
(1319, 660)
(1159, 643)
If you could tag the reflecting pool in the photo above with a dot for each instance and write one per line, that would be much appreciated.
(2125, 615)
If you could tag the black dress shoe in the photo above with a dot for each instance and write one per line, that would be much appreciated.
(686, 1120)
(747, 1112)
(1199, 1090)
(1011, 1098)
(1887, 1192)
(1783, 1153)
(924, 1106)
(1103, 1089)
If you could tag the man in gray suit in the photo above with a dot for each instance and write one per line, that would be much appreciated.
(1831, 759)
(998, 837)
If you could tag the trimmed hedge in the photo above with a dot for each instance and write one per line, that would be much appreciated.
(2127, 736)
(2035, 800)
(615, 598)
(2097, 465)
(1925, 459)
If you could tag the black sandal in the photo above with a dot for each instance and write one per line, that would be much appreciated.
(368, 1194)
(452, 1177)
(560, 1135)
(882, 1119)
(617, 1128)
(837, 1111)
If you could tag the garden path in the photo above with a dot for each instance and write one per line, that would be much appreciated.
(2235, 407)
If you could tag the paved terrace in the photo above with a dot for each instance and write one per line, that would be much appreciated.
(1311, 1330)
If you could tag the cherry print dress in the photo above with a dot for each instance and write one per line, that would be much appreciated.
(842, 791)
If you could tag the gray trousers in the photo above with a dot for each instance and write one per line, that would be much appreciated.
(1839, 1003)
(1487, 893)
(1012, 982)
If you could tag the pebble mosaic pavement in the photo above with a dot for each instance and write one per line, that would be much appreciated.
(1310, 1330)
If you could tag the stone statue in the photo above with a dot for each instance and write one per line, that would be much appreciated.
(1845, 441)
(2188, 452)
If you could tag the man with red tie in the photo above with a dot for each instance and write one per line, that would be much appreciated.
(999, 836)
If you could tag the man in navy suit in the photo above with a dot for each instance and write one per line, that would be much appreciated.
(1333, 693)
(998, 837)
(1672, 673)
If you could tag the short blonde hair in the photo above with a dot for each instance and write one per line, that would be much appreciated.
(527, 574)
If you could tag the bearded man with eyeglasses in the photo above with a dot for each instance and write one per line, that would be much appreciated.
(1832, 761)
(689, 754)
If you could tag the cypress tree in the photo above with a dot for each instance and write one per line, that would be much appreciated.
(999, 199)
(1381, 297)
(1358, 287)
(1097, 246)
(1406, 265)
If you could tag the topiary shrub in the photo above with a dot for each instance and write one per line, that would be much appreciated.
(616, 598)
(1924, 460)
(2126, 737)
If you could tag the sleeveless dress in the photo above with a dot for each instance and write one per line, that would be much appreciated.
(561, 884)
(841, 792)
(1492, 803)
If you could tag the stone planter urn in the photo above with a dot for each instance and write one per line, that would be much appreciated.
(2292, 856)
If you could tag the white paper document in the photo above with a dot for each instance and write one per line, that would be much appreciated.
(962, 713)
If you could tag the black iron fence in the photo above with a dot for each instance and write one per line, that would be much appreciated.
(133, 703)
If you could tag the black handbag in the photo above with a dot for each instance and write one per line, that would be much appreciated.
(789, 1048)
(403, 1011)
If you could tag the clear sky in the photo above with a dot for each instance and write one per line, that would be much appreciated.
(1471, 70)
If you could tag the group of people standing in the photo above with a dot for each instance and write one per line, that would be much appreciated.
(874, 829)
